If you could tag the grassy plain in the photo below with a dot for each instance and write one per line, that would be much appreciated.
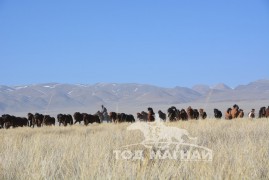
(240, 151)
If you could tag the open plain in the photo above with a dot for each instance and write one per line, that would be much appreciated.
(240, 151)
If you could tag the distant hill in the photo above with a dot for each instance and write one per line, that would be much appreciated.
(222, 87)
(51, 96)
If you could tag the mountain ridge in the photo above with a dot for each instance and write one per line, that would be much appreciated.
(45, 96)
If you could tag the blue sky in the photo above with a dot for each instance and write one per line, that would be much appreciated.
(165, 43)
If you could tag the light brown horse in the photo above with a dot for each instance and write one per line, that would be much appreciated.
(235, 111)
(241, 113)
(228, 114)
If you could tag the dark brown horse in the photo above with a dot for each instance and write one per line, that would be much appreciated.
(65, 119)
(78, 117)
(48, 121)
(39, 119)
(195, 114)
(90, 119)
(113, 116)
(151, 115)
(217, 114)
(183, 115)
(143, 116)
(202, 113)
(31, 120)
(262, 112)
(162, 115)
(173, 114)
(122, 117)
(267, 112)
(190, 113)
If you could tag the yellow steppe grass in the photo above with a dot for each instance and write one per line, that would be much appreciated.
(240, 151)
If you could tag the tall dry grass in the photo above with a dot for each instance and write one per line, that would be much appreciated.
(240, 147)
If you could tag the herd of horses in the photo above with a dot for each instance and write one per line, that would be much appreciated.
(39, 120)
(173, 114)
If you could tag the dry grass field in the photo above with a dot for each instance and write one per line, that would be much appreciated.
(240, 151)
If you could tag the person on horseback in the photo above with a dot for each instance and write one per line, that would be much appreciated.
(104, 110)
(105, 114)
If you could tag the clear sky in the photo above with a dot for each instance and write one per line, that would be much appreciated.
(161, 42)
